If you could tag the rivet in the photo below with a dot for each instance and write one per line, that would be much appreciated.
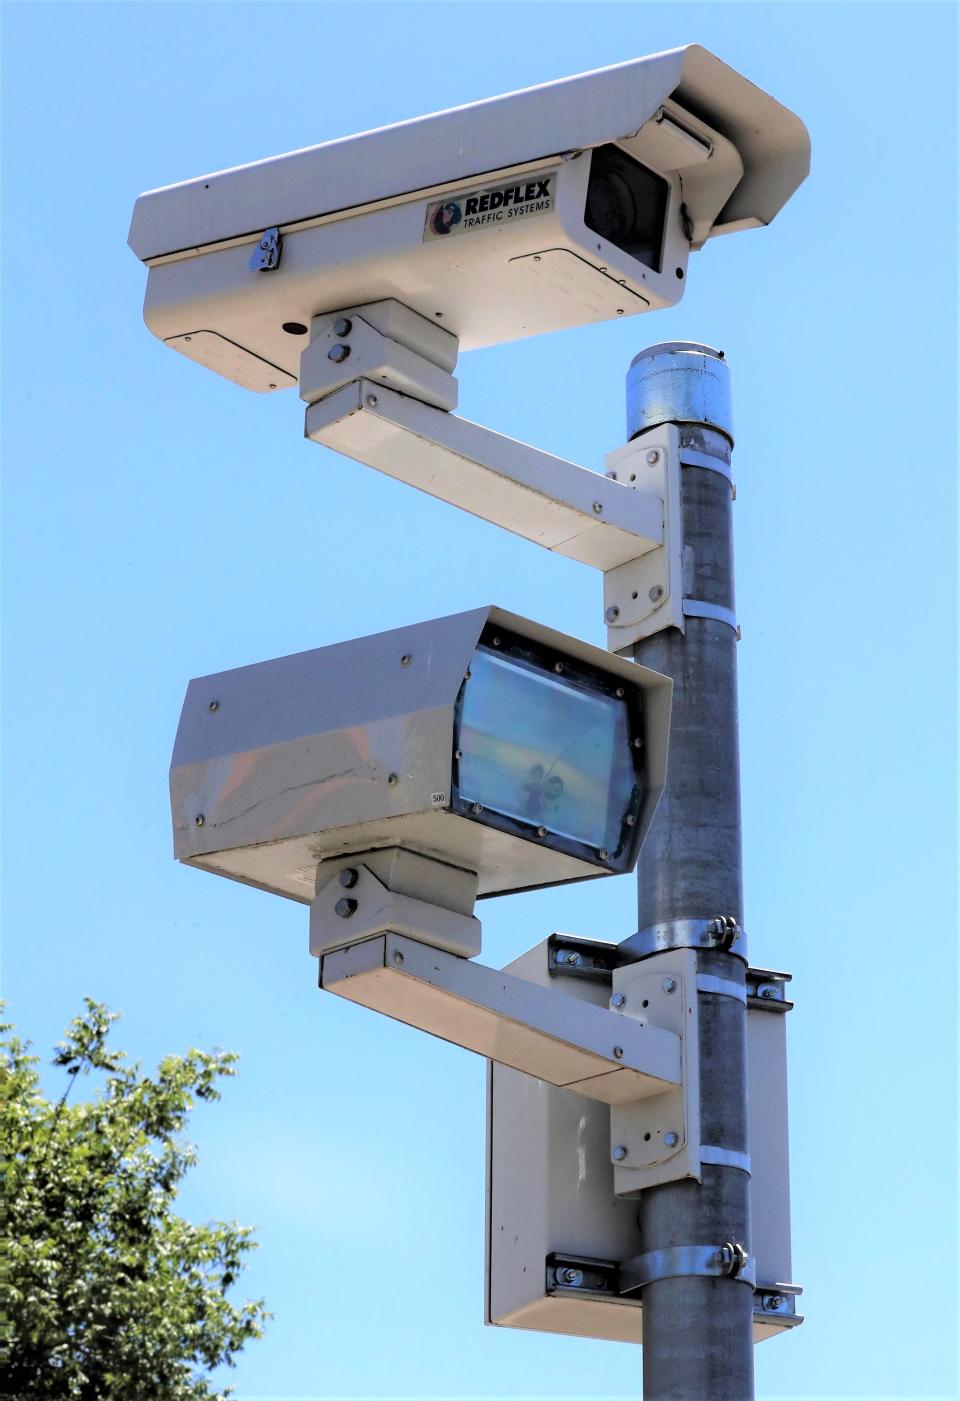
(619, 691)
(372, 401)
(618, 1000)
(393, 779)
(536, 257)
(598, 508)
(496, 642)
(345, 907)
(338, 353)
(541, 831)
(619, 310)
(630, 820)
(199, 819)
(618, 1052)
(611, 615)
(603, 853)
(558, 667)
(656, 593)
(637, 743)
(406, 659)
(214, 705)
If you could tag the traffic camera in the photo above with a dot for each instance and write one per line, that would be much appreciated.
(557, 206)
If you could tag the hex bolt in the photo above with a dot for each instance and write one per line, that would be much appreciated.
(656, 593)
(669, 984)
(619, 1153)
(618, 1000)
(653, 457)
(618, 1052)
(199, 820)
(773, 1301)
(765, 990)
(393, 779)
(345, 907)
(342, 326)
(671, 1139)
(338, 353)
(612, 613)
(214, 705)
(572, 1277)
(349, 878)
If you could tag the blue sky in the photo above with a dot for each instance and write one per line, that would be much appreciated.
(161, 524)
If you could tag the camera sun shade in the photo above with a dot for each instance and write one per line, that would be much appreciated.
(481, 740)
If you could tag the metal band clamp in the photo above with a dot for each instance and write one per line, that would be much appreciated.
(722, 933)
(696, 608)
(729, 1261)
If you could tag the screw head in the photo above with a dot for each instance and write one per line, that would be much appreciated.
(393, 779)
(656, 593)
(611, 615)
(406, 659)
(372, 401)
(541, 831)
(199, 820)
(669, 984)
(338, 353)
(342, 326)
(618, 1000)
(214, 705)
(630, 820)
(558, 667)
(619, 1153)
(571, 1276)
(603, 854)
(618, 1052)
(349, 878)
(653, 457)
(598, 508)
(345, 907)
(671, 1139)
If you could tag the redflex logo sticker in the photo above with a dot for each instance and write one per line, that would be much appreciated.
(497, 205)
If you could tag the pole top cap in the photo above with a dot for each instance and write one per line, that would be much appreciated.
(679, 382)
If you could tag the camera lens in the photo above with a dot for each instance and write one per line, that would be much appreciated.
(627, 205)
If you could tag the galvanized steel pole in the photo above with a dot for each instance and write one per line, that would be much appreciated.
(697, 1331)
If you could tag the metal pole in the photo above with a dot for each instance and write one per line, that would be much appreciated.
(697, 1331)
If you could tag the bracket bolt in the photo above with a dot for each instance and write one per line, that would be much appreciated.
(765, 990)
(618, 1000)
(345, 907)
(773, 1302)
(572, 1277)
(569, 956)
(669, 984)
(619, 1153)
(338, 353)
(653, 457)
(656, 593)
(342, 326)
(671, 1139)
(612, 613)
(349, 878)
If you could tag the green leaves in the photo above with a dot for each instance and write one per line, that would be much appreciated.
(108, 1295)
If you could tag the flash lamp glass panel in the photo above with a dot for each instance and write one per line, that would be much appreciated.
(627, 205)
(546, 750)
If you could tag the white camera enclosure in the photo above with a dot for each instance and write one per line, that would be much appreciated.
(350, 749)
(497, 220)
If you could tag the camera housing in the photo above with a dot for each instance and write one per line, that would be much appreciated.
(556, 206)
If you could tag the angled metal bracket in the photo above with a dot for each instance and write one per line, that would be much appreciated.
(266, 255)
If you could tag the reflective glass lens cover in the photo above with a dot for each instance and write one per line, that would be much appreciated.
(547, 750)
(627, 205)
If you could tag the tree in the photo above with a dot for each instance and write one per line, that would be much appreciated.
(110, 1296)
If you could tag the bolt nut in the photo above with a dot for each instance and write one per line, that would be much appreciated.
(345, 907)
(349, 877)
(669, 984)
(618, 1000)
(570, 1276)
(619, 1153)
(653, 457)
(342, 326)
(671, 1139)
(338, 353)
(612, 613)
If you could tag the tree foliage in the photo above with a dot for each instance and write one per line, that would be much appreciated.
(108, 1294)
